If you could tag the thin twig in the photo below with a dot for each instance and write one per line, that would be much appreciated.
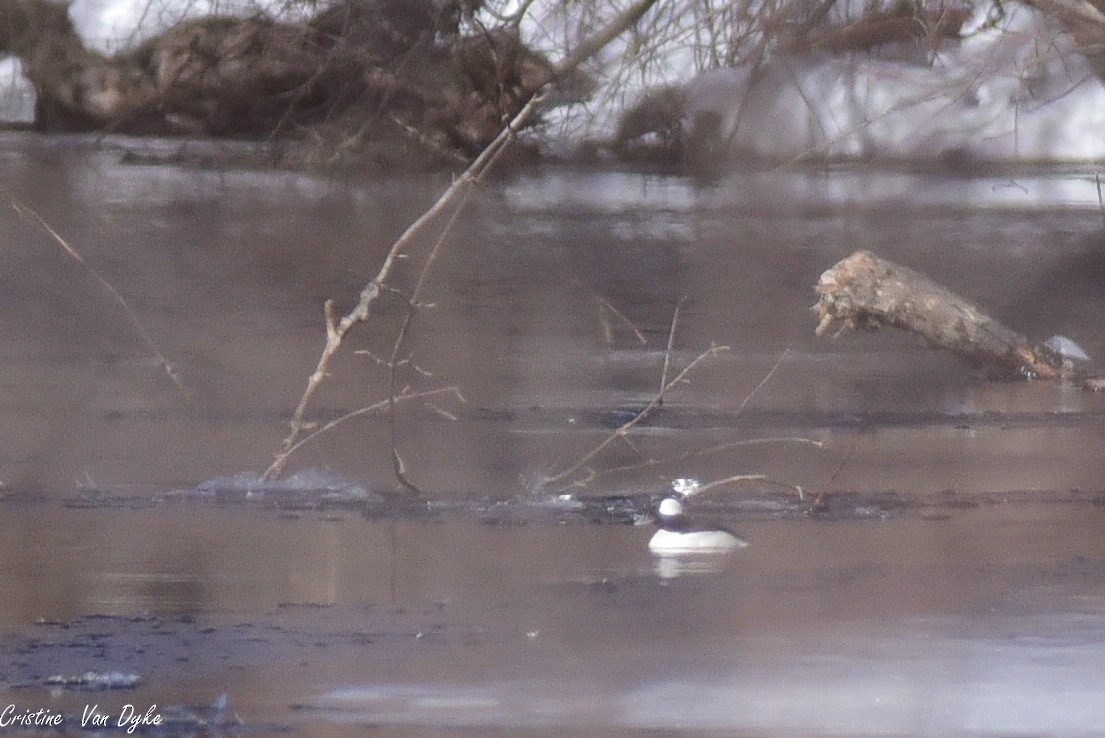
(671, 343)
(31, 215)
(603, 302)
(750, 395)
(728, 480)
(755, 442)
(282, 457)
(714, 350)
(747, 478)
(667, 461)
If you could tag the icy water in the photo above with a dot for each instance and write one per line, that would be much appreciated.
(925, 551)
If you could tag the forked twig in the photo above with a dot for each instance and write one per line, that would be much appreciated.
(656, 401)
(650, 463)
(336, 330)
(282, 457)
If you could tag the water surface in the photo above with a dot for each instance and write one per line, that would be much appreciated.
(938, 573)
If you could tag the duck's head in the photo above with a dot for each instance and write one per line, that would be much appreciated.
(670, 509)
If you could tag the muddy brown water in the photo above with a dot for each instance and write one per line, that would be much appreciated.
(948, 583)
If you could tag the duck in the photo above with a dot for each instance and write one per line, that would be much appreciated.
(678, 534)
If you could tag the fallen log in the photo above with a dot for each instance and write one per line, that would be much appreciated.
(865, 291)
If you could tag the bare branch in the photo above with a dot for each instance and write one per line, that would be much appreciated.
(711, 352)
(282, 457)
(336, 331)
(31, 215)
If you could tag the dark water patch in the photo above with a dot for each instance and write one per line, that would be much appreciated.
(125, 652)
(338, 499)
(683, 418)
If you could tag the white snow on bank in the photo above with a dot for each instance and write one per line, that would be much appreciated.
(1018, 93)
(111, 25)
(17, 97)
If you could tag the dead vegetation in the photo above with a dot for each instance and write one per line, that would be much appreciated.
(440, 215)
(431, 82)
(259, 61)
(376, 80)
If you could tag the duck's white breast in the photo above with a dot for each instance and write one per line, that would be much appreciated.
(667, 541)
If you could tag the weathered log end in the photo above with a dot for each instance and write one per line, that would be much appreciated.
(866, 291)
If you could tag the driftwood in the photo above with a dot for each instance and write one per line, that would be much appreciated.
(865, 291)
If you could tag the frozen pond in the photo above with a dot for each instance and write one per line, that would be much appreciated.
(941, 574)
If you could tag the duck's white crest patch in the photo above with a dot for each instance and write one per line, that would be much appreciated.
(670, 508)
